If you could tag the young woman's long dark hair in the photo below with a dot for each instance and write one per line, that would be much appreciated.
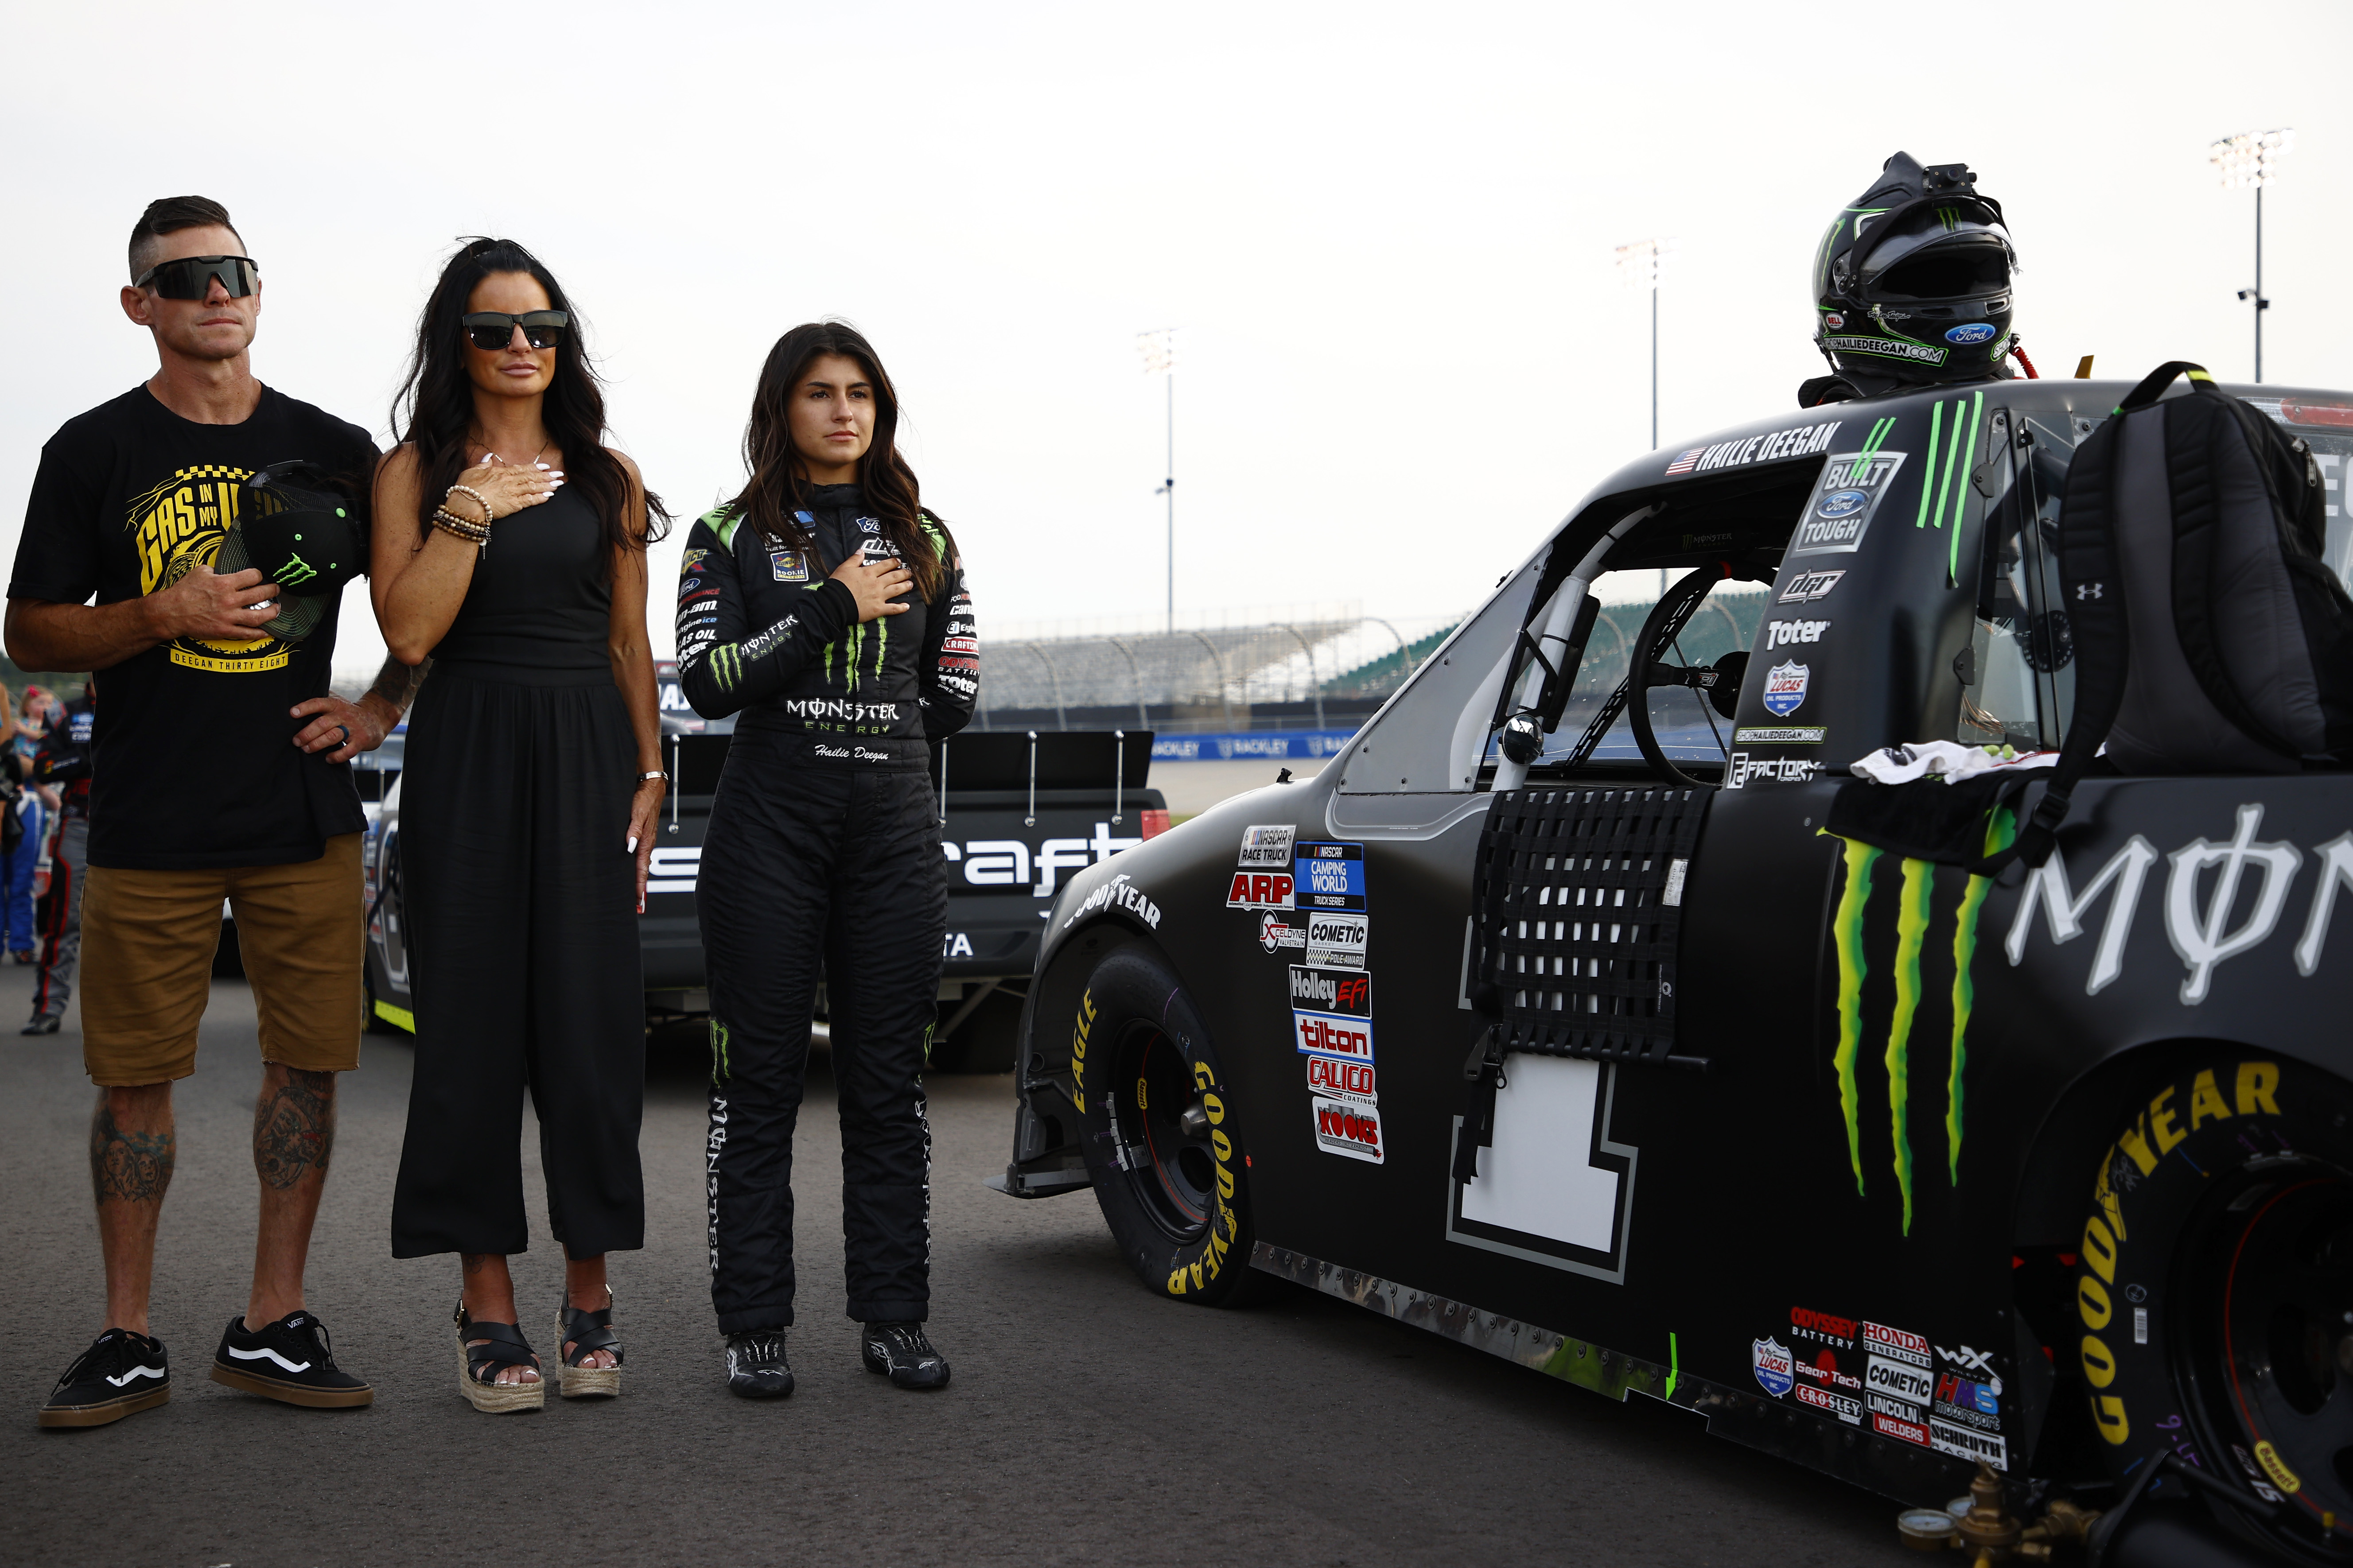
(779, 484)
(435, 406)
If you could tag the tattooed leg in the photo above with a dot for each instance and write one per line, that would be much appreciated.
(293, 1134)
(130, 1155)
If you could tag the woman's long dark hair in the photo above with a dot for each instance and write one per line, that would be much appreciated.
(779, 484)
(435, 407)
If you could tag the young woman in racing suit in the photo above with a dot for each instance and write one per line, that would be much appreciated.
(827, 607)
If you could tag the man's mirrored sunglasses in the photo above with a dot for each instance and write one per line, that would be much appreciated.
(191, 276)
(494, 330)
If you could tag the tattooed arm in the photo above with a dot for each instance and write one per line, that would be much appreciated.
(396, 683)
(344, 729)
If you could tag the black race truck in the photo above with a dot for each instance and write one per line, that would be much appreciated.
(1614, 1063)
(1021, 813)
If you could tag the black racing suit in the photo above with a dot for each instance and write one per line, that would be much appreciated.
(822, 862)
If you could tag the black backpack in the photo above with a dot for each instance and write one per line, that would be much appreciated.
(2209, 636)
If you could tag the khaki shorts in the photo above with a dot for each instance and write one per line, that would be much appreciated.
(148, 939)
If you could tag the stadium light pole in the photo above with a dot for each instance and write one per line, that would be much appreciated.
(2251, 158)
(1639, 263)
(1158, 348)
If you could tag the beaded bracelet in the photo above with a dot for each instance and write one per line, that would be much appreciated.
(458, 527)
(490, 514)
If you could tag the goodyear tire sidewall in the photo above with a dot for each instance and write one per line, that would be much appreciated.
(2136, 1280)
(1130, 985)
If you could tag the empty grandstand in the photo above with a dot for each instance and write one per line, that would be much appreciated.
(1322, 666)
(1321, 669)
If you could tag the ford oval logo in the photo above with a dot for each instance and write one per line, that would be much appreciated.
(1842, 504)
(1974, 332)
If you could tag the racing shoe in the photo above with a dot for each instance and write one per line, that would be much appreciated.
(44, 1024)
(756, 1368)
(120, 1372)
(289, 1361)
(901, 1350)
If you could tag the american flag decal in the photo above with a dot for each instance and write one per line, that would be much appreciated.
(1683, 465)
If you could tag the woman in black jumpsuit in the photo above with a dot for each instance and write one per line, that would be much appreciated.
(829, 608)
(532, 782)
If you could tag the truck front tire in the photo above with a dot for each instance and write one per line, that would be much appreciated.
(1161, 1132)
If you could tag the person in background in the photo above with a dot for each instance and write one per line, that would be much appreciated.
(828, 608)
(36, 807)
(511, 550)
(62, 766)
(26, 839)
(217, 776)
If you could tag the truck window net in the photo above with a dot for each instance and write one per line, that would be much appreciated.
(1578, 895)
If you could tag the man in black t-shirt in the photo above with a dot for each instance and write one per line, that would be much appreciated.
(216, 774)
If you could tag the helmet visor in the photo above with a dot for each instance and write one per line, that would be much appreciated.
(1950, 271)
(1949, 232)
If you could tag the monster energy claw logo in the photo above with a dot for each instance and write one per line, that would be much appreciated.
(1914, 915)
(295, 572)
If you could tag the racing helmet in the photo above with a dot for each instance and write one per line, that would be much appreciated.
(1912, 283)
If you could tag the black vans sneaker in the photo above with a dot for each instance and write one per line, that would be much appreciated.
(901, 1350)
(756, 1368)
(123, 1371)
(290, 1361)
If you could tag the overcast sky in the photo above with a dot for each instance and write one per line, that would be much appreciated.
(1387, 229)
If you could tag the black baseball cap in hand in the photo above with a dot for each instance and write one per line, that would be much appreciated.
(300, 532)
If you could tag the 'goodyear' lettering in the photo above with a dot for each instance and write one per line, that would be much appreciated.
(1225, 1225)
(2155, 1131)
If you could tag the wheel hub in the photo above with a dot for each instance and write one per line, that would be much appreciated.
(2272, 1344)
(1164, 1131)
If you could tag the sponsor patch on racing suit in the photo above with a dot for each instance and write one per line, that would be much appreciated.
(790, 653)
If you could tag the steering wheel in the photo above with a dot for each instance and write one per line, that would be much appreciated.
(1718, 684)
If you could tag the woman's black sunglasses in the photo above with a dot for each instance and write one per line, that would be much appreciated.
(191, 276)
(494, 330)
